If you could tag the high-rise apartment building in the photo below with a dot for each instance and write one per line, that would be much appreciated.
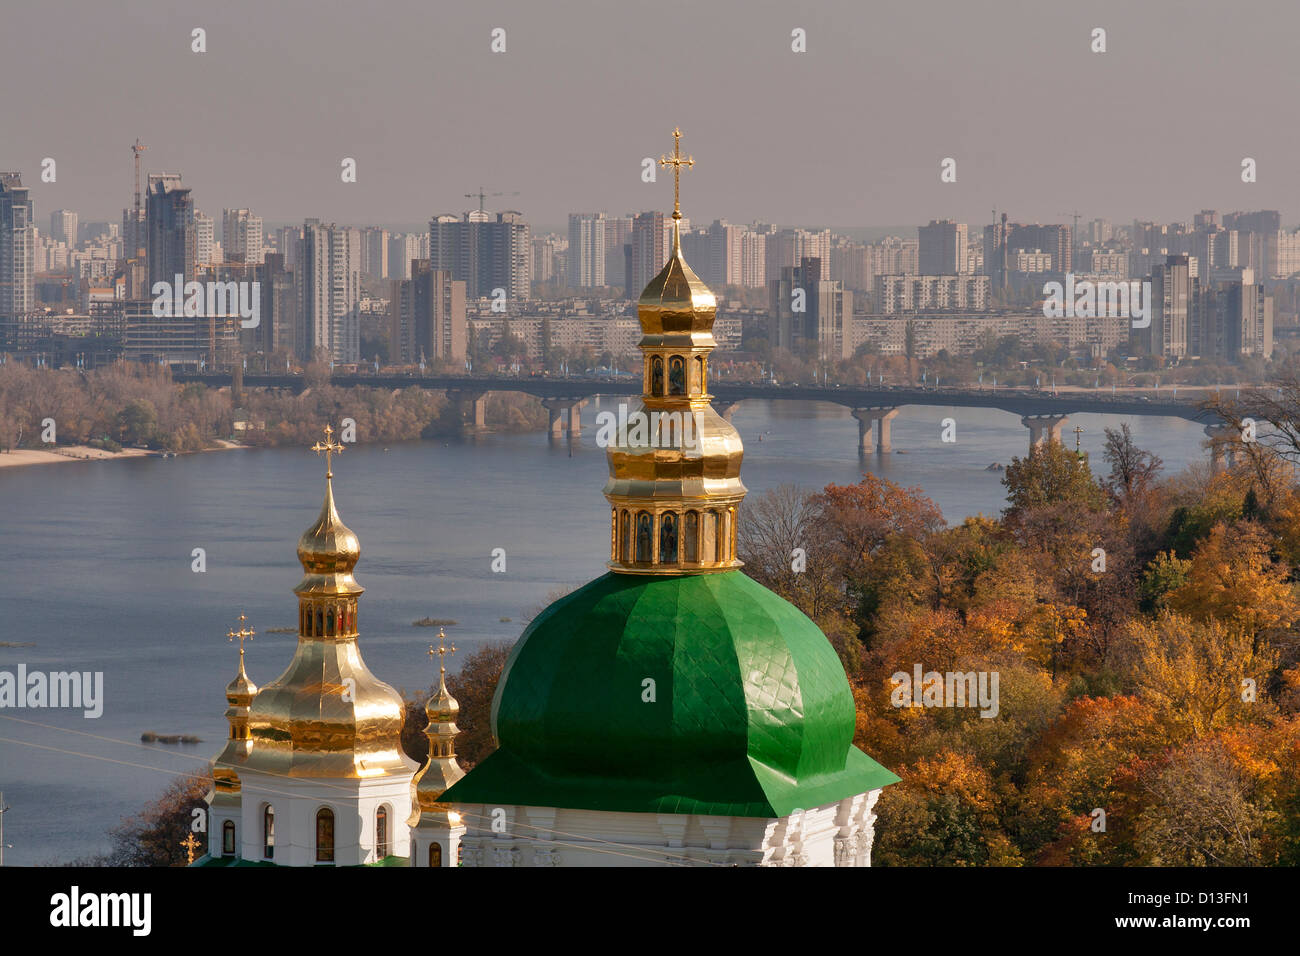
(806, 311)
(618, 235)
(328, 286)
(1175, 330)
(402, 249)
(753, 259)
(241, 236)
(484, 252)
(170, 230)
(17, 246)
(715, 253)
(550, 260)
(374, 252)
(205, 240)
(942, 248)
(427, 312)
(586, 252)
(63, 227)
(647, 249)
(790, 247)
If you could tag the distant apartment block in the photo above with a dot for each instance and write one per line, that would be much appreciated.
(942, 248)
(807, 311)
(170, 229)
(328, 288)
(17, 247)
(586, 252)
(63, 227)
(919, 293)
(241, 236)
(486, 251)
(427, 316)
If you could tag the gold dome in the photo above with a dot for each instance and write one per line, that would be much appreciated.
(240, 691)
(440, 770)
(329, 546)
(442, 708)
(327, 715)
(676, 302)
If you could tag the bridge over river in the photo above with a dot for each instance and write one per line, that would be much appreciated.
(1043, 413)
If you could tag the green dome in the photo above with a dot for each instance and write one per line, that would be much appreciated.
(752, 713)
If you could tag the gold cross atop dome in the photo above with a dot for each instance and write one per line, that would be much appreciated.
(441, 650)
(676, 162)
(242, 633)
(190, 844)
(329, 447)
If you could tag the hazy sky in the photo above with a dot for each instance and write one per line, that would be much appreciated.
(850, 133)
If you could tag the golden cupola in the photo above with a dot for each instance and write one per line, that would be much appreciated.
(674, 469)
(441, 770)
(239, 698)
(327, 715)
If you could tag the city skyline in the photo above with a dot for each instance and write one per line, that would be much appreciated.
(1039, 124)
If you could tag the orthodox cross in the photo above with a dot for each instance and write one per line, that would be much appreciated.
(329, 447)
(190, 845)
(242, 633)
(441, 650)
(676, 162)
(1077, 432)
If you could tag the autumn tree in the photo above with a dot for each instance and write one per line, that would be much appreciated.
(1204, 812)
(153, 836)
(473, 687)
(1191, 673)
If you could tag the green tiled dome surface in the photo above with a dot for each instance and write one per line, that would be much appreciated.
(752, 715)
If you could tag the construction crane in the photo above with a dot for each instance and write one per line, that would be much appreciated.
(483, 195)
(136, 149)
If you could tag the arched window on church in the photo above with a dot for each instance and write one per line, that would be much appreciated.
(644, 538)
(723, 551)
(691, 537)
(381, 832)
(268, 832)
(709, 537)
(657, 377)
(625, 536)
(435, 854)
(676, 375)
(228, 838)
(324, 835)
(320, 623)
(329, 623)
(668, 539)
(698, 383)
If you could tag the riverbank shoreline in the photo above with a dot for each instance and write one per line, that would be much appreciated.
(21, 457)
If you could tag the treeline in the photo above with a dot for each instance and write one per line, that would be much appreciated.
(1143, 631)
(128, 404)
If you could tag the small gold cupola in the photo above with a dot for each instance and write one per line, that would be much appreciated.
(239, 698)
(441, 770)
(327, 715)
(674, 469)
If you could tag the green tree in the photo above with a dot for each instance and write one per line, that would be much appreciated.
(1050, 475)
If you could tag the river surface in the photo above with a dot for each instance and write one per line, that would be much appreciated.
(95, 571)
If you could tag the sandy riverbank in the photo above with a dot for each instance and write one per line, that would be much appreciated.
(31, 456)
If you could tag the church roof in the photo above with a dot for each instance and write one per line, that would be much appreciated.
(751, 714)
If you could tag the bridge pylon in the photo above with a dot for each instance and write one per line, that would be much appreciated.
(874, 431)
